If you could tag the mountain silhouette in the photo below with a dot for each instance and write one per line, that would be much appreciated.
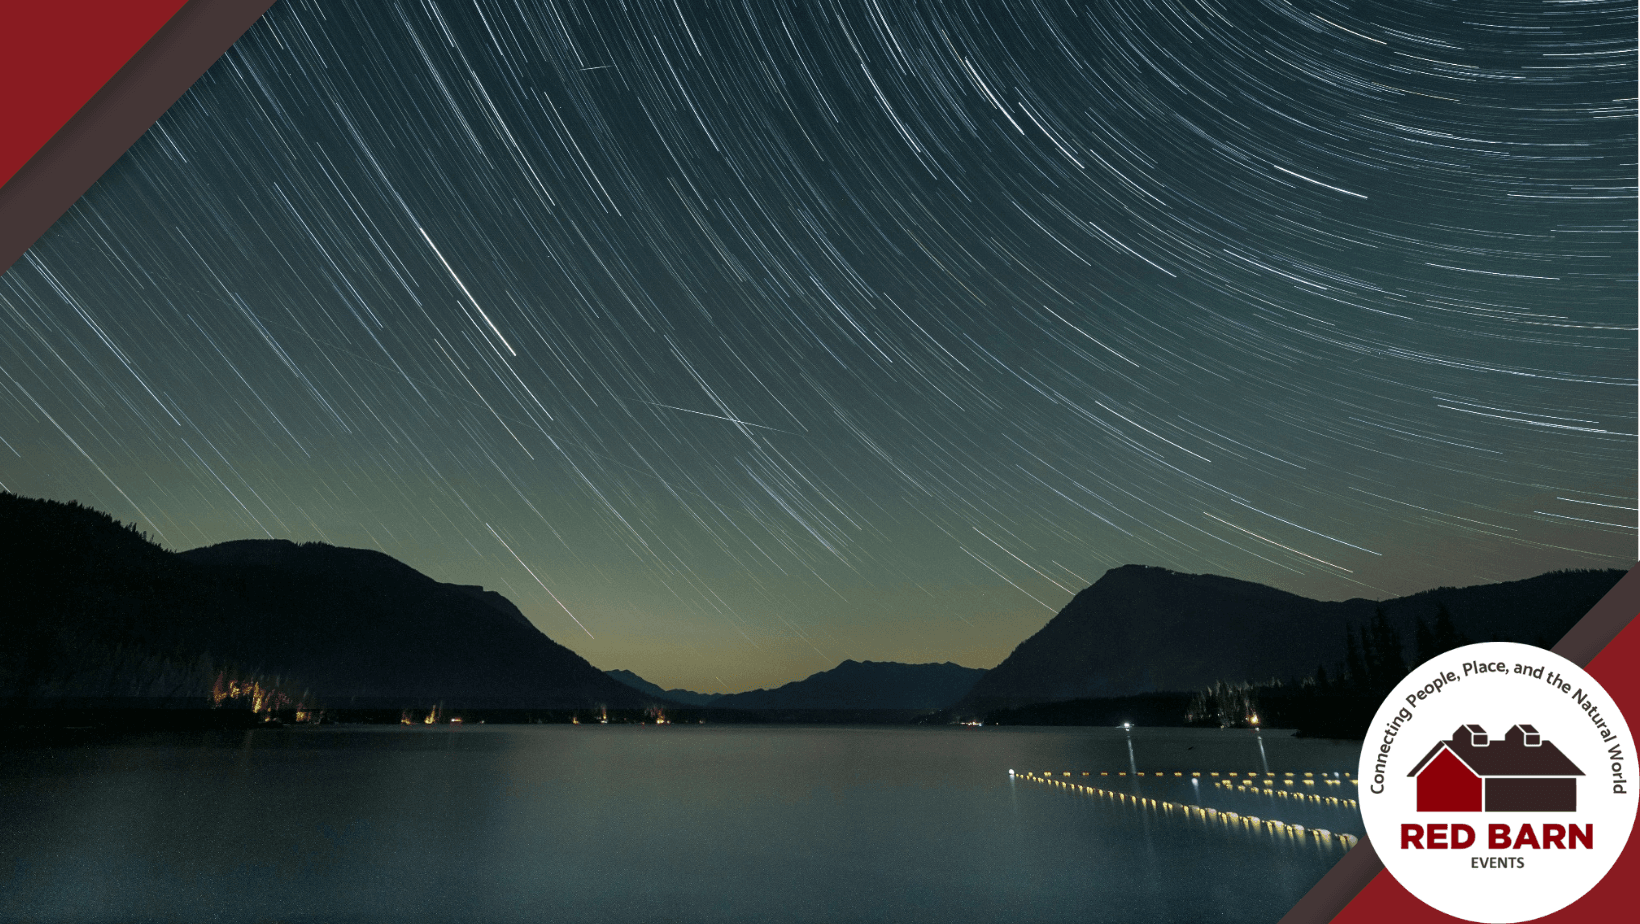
(686, 697)
(864, 685)
(93, 612)
(1142, 629)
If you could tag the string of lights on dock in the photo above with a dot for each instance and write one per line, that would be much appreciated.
(1287, 785)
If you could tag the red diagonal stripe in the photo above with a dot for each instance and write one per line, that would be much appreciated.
(54, 56)
(116, 114)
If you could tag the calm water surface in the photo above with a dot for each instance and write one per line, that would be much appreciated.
(672, 823)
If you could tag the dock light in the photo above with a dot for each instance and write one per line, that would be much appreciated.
(1127, 724)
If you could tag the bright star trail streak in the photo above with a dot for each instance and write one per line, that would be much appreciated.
(538, 579)
(739, 320)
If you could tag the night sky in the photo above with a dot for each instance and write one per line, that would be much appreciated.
(734, 339)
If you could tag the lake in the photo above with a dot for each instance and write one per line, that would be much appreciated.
(663, 823)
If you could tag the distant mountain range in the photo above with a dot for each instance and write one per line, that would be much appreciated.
(851, 685)
(1141, 629)
(91, 611)
(686, 697)
(865, 685)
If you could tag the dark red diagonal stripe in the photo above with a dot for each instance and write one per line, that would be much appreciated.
(54, 57)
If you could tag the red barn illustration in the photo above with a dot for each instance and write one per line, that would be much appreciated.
(1475, 773)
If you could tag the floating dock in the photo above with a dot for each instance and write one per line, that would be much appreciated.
(1296, 787)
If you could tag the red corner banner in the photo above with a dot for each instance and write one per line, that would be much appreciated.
(1358, 890)
(55, 56)
(81, 83)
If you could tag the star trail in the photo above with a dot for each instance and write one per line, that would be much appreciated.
(733, 339)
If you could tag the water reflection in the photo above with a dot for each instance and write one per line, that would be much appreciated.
(606, 823)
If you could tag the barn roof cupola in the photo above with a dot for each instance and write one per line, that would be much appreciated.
(1524, 735)
(1472, 735)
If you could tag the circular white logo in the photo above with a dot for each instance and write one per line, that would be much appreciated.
(1498, 782)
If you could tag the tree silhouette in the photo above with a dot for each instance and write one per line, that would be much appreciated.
(1386, 662)
(1355, 664)
(1447, 636)
(1423, 640)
